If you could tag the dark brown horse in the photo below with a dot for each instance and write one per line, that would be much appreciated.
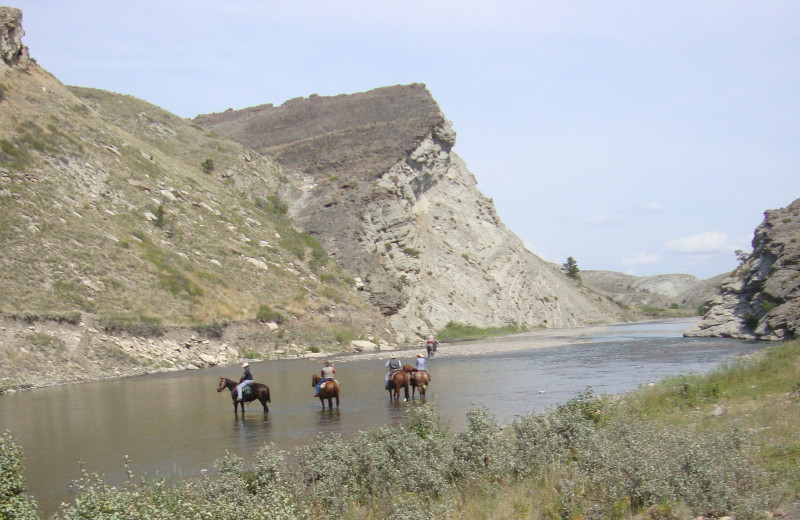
(431, 346)
(257, 391)
(398, 380)
(328, 390)
(418, 379)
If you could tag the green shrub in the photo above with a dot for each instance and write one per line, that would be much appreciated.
(208, 166)
(266, 314)
(143, 327)
(15, 502)
(272, 205)
(459, 331)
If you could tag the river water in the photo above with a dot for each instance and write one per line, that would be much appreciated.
(176, 424)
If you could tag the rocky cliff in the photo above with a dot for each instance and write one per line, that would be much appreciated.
(373, 176)
(761, 298)
(12, 52)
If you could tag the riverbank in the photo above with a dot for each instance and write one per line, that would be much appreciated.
(690, 446)
(42, 353)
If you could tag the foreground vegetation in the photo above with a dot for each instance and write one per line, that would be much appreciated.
(718, 445)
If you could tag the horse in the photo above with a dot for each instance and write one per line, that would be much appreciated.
(328, 390)
(431, 346)
(418, 379)
(398, 380)
(257, 391)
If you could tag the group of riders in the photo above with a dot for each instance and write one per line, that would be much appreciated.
(328, 371)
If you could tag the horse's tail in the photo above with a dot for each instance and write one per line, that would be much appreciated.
(268, 400)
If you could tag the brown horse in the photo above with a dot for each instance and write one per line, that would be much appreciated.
(398, 380)
(418, 379)
(328, 390)
(257, 391)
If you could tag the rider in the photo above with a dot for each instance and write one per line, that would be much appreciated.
(246, 379)
(431, 343)
(393, 365)
(327, 375)
(420, 361)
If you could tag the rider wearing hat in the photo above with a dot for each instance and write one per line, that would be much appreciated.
(246, 379)
(420, 362)
(327, 373)
(393, 365)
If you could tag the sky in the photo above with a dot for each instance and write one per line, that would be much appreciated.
(640, 137)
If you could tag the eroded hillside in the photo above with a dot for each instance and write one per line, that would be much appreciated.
(128, 220)
(374, 178)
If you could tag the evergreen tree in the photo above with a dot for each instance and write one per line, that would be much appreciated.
(570, 267)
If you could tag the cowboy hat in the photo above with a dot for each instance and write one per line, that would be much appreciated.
(393, 356)
(245, 364)
(420, 355)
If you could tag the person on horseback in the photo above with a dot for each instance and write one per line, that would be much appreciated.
(246, 379)
(393, 365)
(420, 361)
(431, 344)
(327, 373)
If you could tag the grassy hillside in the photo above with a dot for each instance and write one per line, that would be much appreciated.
(115, 207)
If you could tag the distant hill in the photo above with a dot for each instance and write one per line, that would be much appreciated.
(676, 291)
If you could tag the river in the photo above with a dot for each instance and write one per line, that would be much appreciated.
(176, 424)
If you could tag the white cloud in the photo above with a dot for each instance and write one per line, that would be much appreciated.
(623, 215)
(704, 243)
(642, 259)
(599, 220)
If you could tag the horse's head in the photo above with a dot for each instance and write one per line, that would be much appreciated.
(222, 385)
(407, 368)
(315, 379)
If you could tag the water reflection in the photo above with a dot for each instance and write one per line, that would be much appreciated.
(178, 422)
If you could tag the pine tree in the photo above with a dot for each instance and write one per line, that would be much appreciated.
(570, 267)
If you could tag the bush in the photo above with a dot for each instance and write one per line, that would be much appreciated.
(266, 314)
(15, 502)
(208, 166)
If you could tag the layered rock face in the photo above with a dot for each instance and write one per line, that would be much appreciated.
(761, 299)
(12, 52)
(375, 180)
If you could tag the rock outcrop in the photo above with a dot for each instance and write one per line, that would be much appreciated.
(12, 52)
(761, 299)
(373, 176)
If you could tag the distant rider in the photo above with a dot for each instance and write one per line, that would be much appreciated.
(393, 365)
(431, 344)
(327, 373)
(246, 379)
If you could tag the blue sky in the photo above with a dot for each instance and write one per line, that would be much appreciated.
(641, 137)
